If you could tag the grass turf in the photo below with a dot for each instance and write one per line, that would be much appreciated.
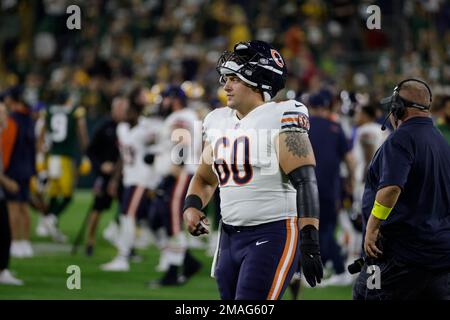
(45, 274)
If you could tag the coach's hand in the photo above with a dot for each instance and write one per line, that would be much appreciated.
(310, 259)
(370, 243)
(195, 221)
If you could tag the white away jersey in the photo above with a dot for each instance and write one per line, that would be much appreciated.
(369, 133)
(253, 188)
(134, 144)
(181, 130)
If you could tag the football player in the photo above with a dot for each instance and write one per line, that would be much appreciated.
(175, 160)
(103, 152)
(6, 277)
(65, 123)
(135, 136)
(368, 138)
(18, 157)
(258, 152)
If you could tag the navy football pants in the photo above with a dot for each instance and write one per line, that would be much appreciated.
(257, 262)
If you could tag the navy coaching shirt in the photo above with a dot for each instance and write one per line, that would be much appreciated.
(330, 146)
(416, 158)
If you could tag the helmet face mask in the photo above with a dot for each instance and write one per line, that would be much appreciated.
(229, 63)
(257, 64)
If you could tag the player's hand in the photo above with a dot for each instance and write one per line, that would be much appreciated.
(10, 185)
(196, 222)
(112, 187)
(370, 243)
(40, 162)
(107, 167)
(310, 259)
(85, 166)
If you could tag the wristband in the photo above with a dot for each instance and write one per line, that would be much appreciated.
(379, 211)
(193, 201)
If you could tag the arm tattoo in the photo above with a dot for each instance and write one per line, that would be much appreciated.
(298, 144)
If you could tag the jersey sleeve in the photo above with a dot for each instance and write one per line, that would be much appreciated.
(184, 120)
(294, 117)
(120, 131)
(398, 156)
(368, 136)
(148, 131)
(206, 125)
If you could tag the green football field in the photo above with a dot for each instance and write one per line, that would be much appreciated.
(46, 278)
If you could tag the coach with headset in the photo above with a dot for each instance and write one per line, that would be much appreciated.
(406, 205)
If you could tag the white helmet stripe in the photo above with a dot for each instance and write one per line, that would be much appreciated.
(246, 80)
(268, 68)
(272, 69)
(225, 71)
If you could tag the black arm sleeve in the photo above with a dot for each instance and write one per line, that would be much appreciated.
(304, 180)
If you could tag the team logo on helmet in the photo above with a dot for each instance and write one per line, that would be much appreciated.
(277, 58)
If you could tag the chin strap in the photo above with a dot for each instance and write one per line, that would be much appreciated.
(266, 96)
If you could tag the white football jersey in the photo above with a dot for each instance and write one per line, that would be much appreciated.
(253, 188)
(182, 129)
(134, 144)
(370, 133)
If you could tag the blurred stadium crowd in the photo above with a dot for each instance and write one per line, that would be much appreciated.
(334, 61)
(160, 42)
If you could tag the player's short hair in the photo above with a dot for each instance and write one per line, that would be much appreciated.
(177, 92)
(15, 93)
(317, 100)
(57, 96)
(370, 110)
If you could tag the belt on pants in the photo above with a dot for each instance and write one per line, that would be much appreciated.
(228, 228)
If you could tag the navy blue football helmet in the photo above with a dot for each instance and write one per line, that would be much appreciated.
(257, 64)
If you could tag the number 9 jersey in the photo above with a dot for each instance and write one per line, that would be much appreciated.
(61, 123)
(253, 188)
